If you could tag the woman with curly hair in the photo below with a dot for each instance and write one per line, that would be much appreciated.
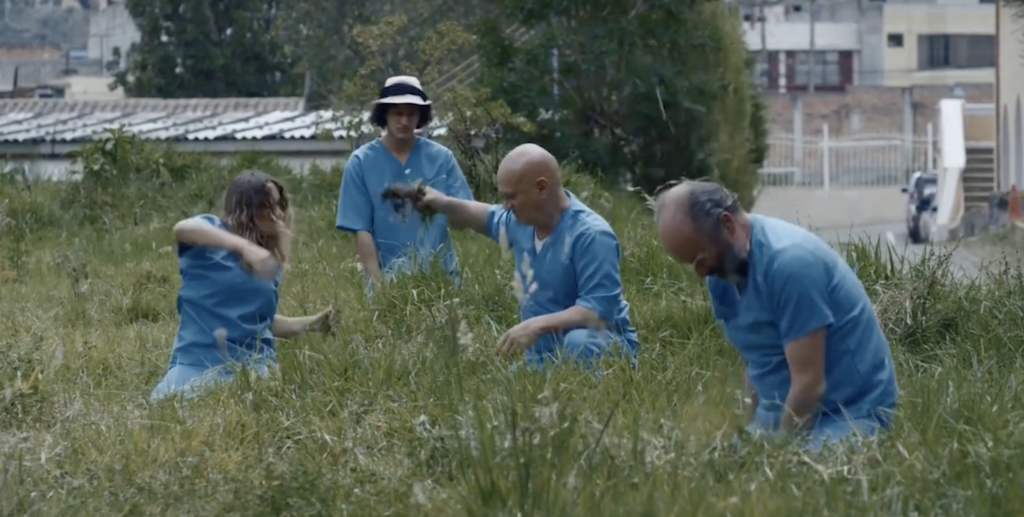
(230, 271)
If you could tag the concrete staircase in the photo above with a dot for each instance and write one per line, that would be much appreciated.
(979, 178)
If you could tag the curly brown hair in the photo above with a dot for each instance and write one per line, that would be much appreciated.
(250, 194)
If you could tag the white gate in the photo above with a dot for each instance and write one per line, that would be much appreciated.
(865, 160)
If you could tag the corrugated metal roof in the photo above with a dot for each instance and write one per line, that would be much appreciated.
(168, 123)
(135, 105)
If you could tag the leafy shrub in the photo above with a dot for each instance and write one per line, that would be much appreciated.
(661, 94)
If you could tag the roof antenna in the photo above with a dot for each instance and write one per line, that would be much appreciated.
(306, 90)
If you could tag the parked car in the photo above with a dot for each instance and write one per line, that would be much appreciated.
(921, 203)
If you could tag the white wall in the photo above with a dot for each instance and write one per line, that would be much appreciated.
(109, 28)
(1010, 68)
(913, 20)
(797, 36)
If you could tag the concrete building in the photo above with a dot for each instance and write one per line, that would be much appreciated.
(870, 43)
(111, 29)
(79, 88)
(939, 43)
(783, 46)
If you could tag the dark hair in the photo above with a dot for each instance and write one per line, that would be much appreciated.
(246, 197)
(706, 201)
(379, 115)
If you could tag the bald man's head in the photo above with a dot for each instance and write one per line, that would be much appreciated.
(530, 183)
(701, 223)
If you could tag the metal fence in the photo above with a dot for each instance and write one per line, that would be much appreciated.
(864, 160)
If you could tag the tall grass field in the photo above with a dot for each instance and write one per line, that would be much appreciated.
(408, 410)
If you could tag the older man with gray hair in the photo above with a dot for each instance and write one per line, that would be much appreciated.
(817, 362)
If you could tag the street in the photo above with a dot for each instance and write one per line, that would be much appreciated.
(968, 257)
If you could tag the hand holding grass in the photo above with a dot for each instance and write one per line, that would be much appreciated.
(417, 196)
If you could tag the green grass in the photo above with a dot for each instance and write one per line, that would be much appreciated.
(402, 413)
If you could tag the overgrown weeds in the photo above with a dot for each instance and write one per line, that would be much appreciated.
(408, 410)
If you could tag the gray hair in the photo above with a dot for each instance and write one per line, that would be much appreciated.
(706, 201)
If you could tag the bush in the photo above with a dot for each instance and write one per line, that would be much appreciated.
(408, 410)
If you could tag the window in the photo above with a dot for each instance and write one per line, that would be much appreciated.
(895, 40)
(937, 51)
(826, 69)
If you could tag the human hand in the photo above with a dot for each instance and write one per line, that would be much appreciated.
(429, 198)
(325, 322)
(260, 261)
(519, 338)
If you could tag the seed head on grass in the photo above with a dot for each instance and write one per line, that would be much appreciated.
(517, 287)
(465, 336)
(221, 335)
(523, 285)
(503, 244)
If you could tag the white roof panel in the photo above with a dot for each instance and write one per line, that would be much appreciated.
(230, 129)
(18, 132)
(98, 129)
(272, 129)
(56, 133)
(14, 118)
(210, 121)
(76, 125)
(164, 120)
(325, 120)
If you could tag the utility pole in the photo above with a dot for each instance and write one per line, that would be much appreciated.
(813, 56)
(554, 65)
(764, 45)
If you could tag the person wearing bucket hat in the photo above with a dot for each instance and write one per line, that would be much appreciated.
(389, 243)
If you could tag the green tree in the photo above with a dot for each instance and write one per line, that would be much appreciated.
(350, 46)
(646, 92)
(207, 48)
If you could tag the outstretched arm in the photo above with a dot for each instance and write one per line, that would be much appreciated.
(463, 213)
(289, 327)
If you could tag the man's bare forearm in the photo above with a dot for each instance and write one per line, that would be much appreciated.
(465, 214)
(573, 317)
(801, 404)
(366, 250)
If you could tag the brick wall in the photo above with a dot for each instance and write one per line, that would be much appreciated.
(26, 52)
(865, 109)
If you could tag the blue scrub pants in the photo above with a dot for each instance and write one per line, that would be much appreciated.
(827, 430)
(193, 380)
(582, 346)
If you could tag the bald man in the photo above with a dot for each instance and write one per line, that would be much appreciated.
(566, 256)
(815, 355)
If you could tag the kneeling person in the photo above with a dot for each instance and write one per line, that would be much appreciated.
(230, 272)
(567, 261)
(794, 309)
